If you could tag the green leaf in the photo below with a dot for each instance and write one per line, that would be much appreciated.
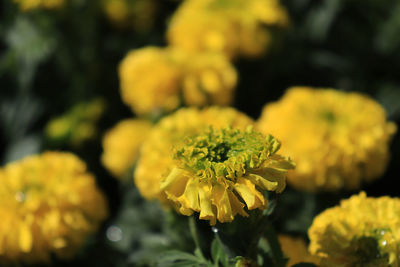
(218, 253)
(179, 258)
(275, 247)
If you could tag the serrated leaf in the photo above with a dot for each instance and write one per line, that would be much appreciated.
(172, 256)
(218, 253)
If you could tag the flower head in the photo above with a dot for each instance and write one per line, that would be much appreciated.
(154, 79)
(150, 79)
(362, 231)
(121, 145)
(231, 27)
(216, 171)
(208, 78)
(157, 157)
(49, 204)
(338, 140)
(26, 5)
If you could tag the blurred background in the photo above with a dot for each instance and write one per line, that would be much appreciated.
(53, 62)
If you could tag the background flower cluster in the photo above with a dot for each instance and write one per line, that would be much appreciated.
(106, 126)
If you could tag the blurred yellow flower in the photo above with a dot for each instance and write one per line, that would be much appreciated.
(154, 79)
(156, 158)
(139, 14)
(338, 140)
(217, 172)
(231, 27)
(149, 80)
(77, 125)
(295, 249)
(49, 204)
(208, 79)
(26, 5)
(121, 145)
(361, 231)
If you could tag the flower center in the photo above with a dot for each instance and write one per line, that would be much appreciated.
(368, 251)
(328, 116)
(225, 153)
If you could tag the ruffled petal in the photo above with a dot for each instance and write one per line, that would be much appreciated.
(221, 201)
(236, 205)
(206, 208)
(262, 182)
(175, 182)
(247, 191)
(190, 198)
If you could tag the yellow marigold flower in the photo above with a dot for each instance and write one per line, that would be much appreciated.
(216, 171)
(156, 158)
(361, 231)
(77, 125)
(295, 249)
(231, 27)
(121, 145)
(139, 14)
(26, 5)
(208, 79)
(49, 204)
(150, 79)
(338, 140)
(153, 79)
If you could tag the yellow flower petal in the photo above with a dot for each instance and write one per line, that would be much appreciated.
(236, 205)
(206, 209)
(25, 238)
(220, 199)
(246, 189)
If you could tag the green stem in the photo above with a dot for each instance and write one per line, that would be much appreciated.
(257, 234)
(193, 233)
(273, 242)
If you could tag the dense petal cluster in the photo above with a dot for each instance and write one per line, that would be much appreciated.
(149, 80)
(295, 249)
(217, 172)
(208, 79)
(338, 140)
(77, 125)
(138, 14)
(49, 204)
(156, 158)
(361, 231)
(206, 161)
(231, 27)
(34, 4)
(121, 145)
(154, 79)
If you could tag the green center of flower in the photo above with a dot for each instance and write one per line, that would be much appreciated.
(328, 116)
(225, 153)
(367, 250)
